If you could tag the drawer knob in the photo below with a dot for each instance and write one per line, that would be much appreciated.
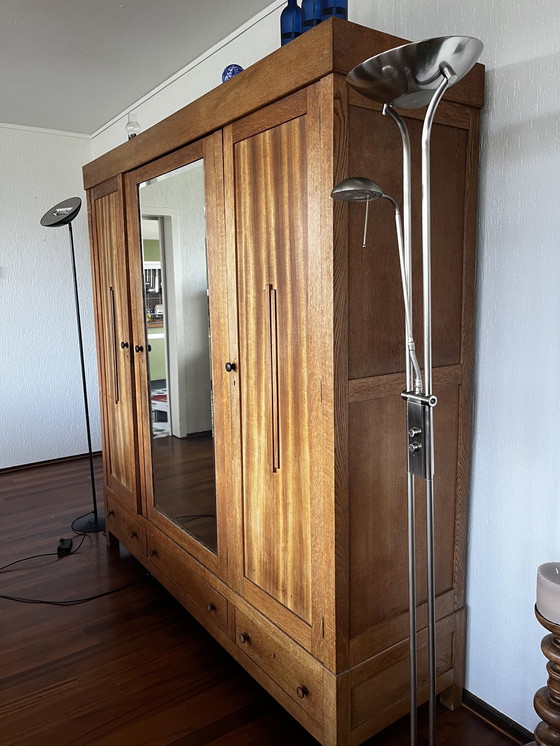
(302, 691)
(244, 638)
(153, 552)
(133, 535)
(111, 513)
(211, 607)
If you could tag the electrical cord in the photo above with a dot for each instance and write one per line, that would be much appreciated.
(88, 525)
(73, 601)
(68, 602)
(46, 554)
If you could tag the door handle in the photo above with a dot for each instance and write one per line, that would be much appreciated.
(272, 314)
(115, 361)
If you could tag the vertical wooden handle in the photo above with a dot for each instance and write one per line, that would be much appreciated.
(115, 358)
(272, 314)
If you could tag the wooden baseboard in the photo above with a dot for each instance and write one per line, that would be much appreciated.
(506, 725)
(21, 467)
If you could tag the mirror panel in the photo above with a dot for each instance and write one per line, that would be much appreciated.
(176, 304)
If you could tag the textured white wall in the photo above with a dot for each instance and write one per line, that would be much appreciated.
(41, 402)
(514, 519)
(250, 43)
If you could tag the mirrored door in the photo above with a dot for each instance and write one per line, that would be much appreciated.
(179, 370)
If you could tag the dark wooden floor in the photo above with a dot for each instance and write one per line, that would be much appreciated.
(132, 668)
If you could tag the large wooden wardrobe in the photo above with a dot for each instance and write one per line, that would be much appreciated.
(257, 467)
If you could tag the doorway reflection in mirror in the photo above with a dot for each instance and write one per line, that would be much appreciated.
(179, 360)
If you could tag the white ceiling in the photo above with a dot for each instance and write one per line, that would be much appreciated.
(73, 65)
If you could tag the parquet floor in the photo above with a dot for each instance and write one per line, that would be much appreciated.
(131, 668)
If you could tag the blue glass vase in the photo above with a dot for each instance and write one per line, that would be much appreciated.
(311, 13)
(335, 8)
(290, 22)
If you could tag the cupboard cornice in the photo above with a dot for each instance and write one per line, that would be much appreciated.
(334, 46)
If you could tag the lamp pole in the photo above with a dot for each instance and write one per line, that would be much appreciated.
(412, 76)
(63, 214)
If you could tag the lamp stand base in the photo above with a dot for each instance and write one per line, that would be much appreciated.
(89, 524)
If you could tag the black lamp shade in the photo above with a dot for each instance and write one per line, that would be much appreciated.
(62, 214)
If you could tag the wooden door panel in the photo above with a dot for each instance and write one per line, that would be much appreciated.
(271, 220)
(185, 475)
(376, 312)
(378, 507)
(113, 329)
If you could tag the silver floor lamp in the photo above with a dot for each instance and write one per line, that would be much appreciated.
(63, 214)
(410, 77)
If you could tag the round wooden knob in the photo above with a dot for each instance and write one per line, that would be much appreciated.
(211, 607)
(153, 552)
(302, 691)
(244, 638)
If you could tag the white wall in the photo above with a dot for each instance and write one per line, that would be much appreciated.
(41, 401)
(514, 519)
(253, 41)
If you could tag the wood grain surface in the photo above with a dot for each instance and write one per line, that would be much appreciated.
(114, 337)
(274, 329)
(376, 316)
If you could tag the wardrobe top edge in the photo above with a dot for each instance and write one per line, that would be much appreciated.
(334, 46)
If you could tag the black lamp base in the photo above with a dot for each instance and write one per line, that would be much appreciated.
(89, 524)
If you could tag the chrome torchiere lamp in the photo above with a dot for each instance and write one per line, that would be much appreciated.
(410, 77)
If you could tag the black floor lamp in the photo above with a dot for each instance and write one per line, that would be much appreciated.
(63, 214)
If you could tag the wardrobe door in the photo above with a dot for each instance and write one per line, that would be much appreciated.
(267, 171)
(181, 345)
(110, 277)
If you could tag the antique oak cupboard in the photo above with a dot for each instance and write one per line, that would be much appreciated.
(255, 464)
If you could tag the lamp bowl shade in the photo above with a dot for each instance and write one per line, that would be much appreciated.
(408, 76)
(62, 214)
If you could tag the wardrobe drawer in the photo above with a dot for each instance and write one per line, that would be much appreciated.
(126, 528)
(201, 599)
(291, 667)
